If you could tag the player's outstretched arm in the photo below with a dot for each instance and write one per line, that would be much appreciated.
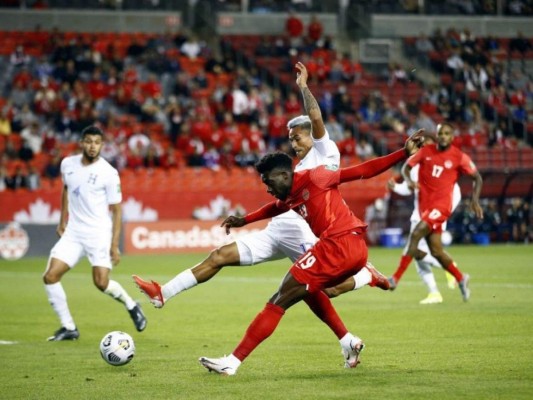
(311, 106)
(267, 211)
(378, 165)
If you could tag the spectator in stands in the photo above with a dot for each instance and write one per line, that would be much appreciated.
(292, 106)
(520, 44)
(21, 94)
(476, 78)
(136, 49)
(499, 134)
(455, 64)
(424, 46)
(519, 121)
(5, 124)
(33, 136)
(25, 152)
(111, 152)
(294, 28)
(192, 48)
(334, 128)
(18, 180)
(423, 121)
(3, 178)
(151, 157)
(211, 158)
(314, 29)
(19, 58)
(342, 104)
(397, 74)
(33, 179)
(518, 219)
(363, 149)
(347, 144)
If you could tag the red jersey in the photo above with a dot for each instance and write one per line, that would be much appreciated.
(439, 171)
(316, 197)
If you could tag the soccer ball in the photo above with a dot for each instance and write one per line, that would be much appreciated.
(117, 348)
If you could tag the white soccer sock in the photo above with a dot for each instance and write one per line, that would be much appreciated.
(58, 300)
(115, 290)
(183, 281)
(424, 271)
(362, 278)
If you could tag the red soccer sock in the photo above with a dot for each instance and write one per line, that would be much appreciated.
(452, 269)
(321, 305)
(262, 327)
(404, 263)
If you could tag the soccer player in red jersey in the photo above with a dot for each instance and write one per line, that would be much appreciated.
(440, 165)
(339, 253)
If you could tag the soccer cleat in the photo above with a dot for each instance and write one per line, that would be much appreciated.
(218, 365)
(452, 282)
(152, 290)
(392, 283)
(463, 286)
(138, 317)
(64, 334)
(433, 298)
(378, 279)
(351, 356)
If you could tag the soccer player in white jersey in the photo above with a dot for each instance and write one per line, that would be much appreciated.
(91, 189)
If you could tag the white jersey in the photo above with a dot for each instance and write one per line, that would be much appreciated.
(91, 189)
(323, 152)
(403, 190)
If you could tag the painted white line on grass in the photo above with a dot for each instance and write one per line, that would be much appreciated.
(7, 342)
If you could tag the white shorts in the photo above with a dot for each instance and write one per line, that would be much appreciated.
(283, 237)
(73, 246)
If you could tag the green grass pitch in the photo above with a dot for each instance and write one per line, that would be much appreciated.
(477, 350)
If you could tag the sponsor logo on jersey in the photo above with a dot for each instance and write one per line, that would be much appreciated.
(14, 242)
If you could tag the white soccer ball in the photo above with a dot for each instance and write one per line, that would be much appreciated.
(117, 348)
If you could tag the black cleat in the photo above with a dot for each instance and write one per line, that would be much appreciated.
(64, 334)
(138, 317)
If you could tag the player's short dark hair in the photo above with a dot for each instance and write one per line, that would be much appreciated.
(274, 160)
(92, 130)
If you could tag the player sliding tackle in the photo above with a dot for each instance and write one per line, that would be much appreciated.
(339, 253)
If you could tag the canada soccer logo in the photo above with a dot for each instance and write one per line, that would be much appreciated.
(14, 242)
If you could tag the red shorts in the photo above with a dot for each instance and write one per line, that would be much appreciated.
(435, 218)
(331, 261)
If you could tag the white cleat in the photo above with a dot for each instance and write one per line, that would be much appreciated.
(351, 356)
(219, 365)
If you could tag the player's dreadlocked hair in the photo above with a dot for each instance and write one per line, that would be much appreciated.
(274, 160)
